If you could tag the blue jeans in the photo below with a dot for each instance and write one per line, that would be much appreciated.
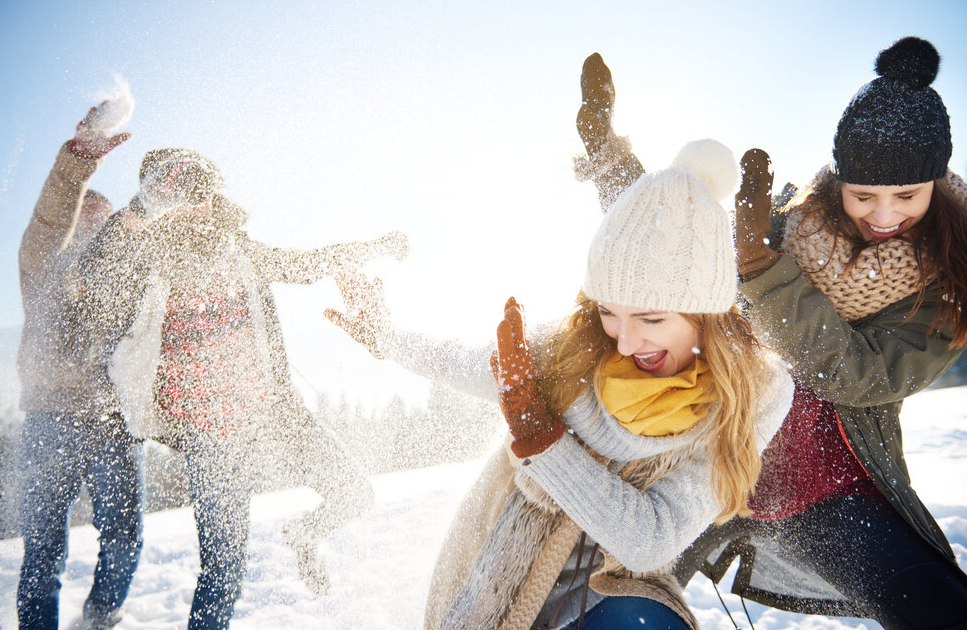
(58, 453)
(630, 613)
(878, 561)
(220, 487)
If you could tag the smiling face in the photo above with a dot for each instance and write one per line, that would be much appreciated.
(882, 212)
(660, 342)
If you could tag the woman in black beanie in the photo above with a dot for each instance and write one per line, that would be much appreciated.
(869, 305)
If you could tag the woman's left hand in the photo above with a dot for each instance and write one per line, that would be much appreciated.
(753, 204)
(366, 313)
(530, 421)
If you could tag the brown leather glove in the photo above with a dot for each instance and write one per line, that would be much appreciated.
(610, 164)
(530, 421)
(367, 315)
(597, 103)
(753, 204)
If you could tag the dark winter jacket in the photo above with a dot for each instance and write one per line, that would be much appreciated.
(866, 370)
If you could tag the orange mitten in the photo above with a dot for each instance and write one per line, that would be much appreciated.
(526, 413)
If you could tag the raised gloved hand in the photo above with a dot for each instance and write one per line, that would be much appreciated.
(366, 312)
(530, 421)
(610, 163)
(90, 141)
(753, 204)
(597, 104)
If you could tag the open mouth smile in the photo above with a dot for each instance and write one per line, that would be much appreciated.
(884, 232)
(650, 361)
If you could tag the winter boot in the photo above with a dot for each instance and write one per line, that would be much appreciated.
(300, 535)
(96, 618)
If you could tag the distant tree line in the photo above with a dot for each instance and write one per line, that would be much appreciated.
(450, 427)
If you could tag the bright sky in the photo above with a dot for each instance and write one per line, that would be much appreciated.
(453, 121)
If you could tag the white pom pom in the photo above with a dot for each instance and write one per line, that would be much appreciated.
(116, 107)
(713, 163)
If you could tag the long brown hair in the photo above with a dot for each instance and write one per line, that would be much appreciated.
(575, 356)
(939, 242)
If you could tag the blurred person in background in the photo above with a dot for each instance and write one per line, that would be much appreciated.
(73, 432)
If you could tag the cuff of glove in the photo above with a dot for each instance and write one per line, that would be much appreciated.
(754, 268)
(79, 167)
(79, 152)
(533, 445)
(392, 343)
(784, 271)
(602, 161)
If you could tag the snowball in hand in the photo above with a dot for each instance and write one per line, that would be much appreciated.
(115, 108)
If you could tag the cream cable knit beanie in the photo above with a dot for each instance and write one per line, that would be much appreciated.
(667, 244)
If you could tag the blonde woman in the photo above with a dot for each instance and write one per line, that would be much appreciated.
(634, 424)
(861, 282)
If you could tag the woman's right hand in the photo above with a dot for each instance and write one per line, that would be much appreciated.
(366, 313)
(531, 424)
(753, 204)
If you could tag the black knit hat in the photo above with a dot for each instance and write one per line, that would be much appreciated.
(895, 131)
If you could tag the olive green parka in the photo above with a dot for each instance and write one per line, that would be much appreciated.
(865, 369)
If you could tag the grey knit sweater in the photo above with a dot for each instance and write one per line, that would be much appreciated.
(643, 530)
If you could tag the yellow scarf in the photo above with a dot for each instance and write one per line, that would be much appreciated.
(653, 405)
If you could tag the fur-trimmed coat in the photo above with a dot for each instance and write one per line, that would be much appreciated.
(642, 499)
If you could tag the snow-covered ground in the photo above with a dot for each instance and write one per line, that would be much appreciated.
(380, 565)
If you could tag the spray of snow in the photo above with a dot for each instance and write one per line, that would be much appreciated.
(116, 106)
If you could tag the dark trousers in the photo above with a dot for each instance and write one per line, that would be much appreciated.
(629, 613)
(861, 546)
(220, 486)
(58, 453)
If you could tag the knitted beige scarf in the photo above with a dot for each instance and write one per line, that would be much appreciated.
(884, 272)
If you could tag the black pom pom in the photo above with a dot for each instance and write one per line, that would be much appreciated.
(912, 60)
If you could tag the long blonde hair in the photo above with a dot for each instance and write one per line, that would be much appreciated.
(574, 358)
